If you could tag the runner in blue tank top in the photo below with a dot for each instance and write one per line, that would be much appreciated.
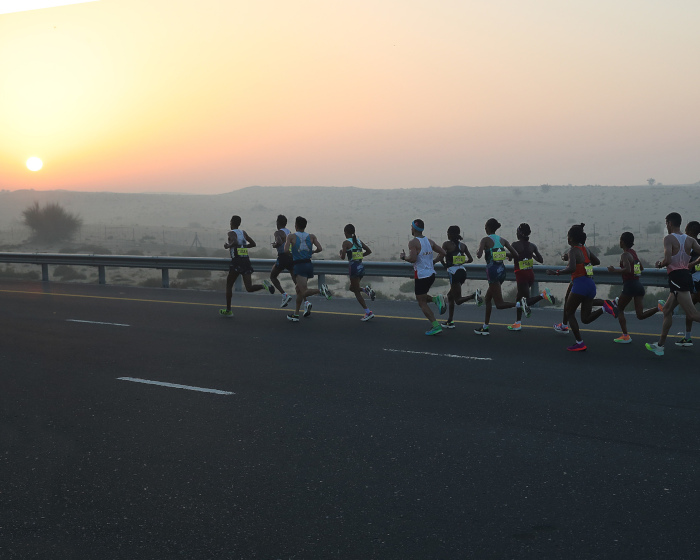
(302, 244)
(356, 250)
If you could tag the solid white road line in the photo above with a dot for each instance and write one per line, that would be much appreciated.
(96, 323)
(175, 386)
(439, 355)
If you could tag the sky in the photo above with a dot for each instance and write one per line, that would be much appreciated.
(210, 96)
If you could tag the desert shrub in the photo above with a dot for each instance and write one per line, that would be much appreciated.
(11, 274)
(51, 223)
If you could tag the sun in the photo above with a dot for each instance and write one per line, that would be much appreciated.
(34, 164)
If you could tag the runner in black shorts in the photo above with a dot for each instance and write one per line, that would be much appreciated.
(692, 230)
(632, 289)
(456, 256)
(284, 259)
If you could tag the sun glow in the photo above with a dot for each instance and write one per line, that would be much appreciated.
(34, 164)
(10, 6)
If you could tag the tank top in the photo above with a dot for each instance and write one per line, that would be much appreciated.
(302, 249)
(528, 261)
(423, 267)
(695, 269)
(495, 254)
(456, 258)
(584, 268)
(239, 250)
(286, 232)
(636, 268)
(681, 259)
(355, 253)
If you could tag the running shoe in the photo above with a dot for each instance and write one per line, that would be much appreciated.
(325, 292)
(578, 347)
(434, 330)
(623, 339)
(561, 328)
(268, 286)
(655, 348)
(685, 342)
(477, 297)
(661, 304)
(547, 295)
(225, 312)
(293, 318)
(515, 327)
(525, 307)
(440, 302)
(448, 324)
(367, 316)
(482, 331)
(307, 308)
(286, 298)
(609, 306)
(367, 290)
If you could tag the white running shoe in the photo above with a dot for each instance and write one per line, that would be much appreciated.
(477, 298)
(525, 307)
(367, 316)
(325, 292)
(307, 308)
(286, 298)
(268, 286)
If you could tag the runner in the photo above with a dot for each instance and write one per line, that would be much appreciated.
(238, 244)
(524, 275)
(302, 244)
(284, 259)
(632, 289)
(420, 253)
(493, 248)
(456, 256)
(693, 230)
(677, 249)
(583, 290)
(356, 250)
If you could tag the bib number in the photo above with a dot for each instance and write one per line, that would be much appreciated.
(637, 269)
(459, 259)
(499, 255)
(589, 270)
(697, 267)
(242, 251)
(526, 264)
(357, 255)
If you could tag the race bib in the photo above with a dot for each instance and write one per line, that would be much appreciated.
(526, 264)
(589, 270)
(242, 251)
(697, 267)
(637, 269)
(499, 255)
(459, 259)
(357, 255)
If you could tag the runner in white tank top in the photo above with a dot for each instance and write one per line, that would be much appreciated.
(420, 253)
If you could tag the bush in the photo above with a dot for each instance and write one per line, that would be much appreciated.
(10, 273)
(50, 223)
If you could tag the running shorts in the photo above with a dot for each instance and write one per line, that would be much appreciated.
(525, 277)
(460, 276)
(285, 262)
(423, 285)
(356, 269)
(584, 286)
(697, 287)
(633, 288)
(496, 273)
(305, 270)
(241, 265)
(680, 281)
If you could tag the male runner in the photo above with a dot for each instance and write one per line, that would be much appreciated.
(677, 249)
(238, 244)
(693, 230)
(302, 244)
(456, 256)
(420, 253)
(284, 259)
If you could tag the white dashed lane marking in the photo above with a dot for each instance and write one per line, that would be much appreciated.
(438, 355)
(96, 323)
(175, 386)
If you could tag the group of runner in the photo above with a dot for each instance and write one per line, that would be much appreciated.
(295, 249)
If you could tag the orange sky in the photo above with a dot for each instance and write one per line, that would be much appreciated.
(210, 96)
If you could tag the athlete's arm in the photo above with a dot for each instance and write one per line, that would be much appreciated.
(695, 246)
(344, 248)
(482, 247)
(513, 253)
(413, 249)
(571, 257)
(468, 254)
(626, 262)
(366, 249)
(447, 247)
(536, 253)
(316, 243)
(437, 249)
(231, 240)
(249, 240)
(279, 241)
(288, 242)
(595, 261)
(668, 252)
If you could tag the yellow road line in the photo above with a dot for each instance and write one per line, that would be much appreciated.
(286, 310)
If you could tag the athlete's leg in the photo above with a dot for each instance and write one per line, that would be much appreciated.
(249, 286)
(300, 288)
(523, 291)
(355, 289)
(688, 320)
(274, 278)
(639, 308)
(571, 305)
(671, 303)
(230, 280)
(423, 304)
(564, 318)
(685, 300)
(453, 295)
(621, 304)
(497, 296)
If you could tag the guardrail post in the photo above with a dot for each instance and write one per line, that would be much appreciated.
(534, 291)
(44, 272)
(238, 284)
(165, 275)
(321, 279)
(102, 279)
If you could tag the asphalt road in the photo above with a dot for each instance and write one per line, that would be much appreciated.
(333, 438)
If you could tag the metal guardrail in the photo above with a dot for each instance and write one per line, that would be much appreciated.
(650, 277)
